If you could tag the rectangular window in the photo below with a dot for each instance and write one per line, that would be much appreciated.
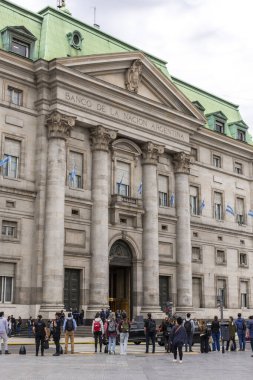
(194, 154)
(238, 168)
(220, 257)
(196, 255)
(163, 190)
(20, 47)
(219, 126)
(75, 170)
(6, 289)
(194, 200)
(197, 292)
(216, 161)
(218, 214)
(221, 291)
(12, 149)
(123, 171)
(243, 259)
(9, 228)
(241, 135)
(240, 210)
(15, 96)
(244, 293)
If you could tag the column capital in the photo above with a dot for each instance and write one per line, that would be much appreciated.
(59, 125)
(101, 137)
(181, 162)
(151, 152)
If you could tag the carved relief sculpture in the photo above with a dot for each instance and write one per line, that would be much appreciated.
(59, 125)
(101, 137)
(133, 76)
(151, 152)
(181, 162)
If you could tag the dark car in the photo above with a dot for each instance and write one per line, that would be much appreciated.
(136, 333)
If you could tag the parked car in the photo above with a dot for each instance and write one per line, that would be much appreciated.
(136, 333)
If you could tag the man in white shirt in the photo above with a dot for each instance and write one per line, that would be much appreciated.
(3, 333)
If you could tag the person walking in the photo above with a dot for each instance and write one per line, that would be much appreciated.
(3, 333)
(241, 331)
(39, 330)
(150, 332)
(189, 328)
(215, 332)
(124, 328)
(250, 332)
(232, 331)
(69, 328)
(98, 331)
(112, 333)
(178, 338)
(204, 337)
(56, 332)
(166, 328)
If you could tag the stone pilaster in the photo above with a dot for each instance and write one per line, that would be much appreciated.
(59, 127)
(181, 163)
(99, 269)
(150, 242)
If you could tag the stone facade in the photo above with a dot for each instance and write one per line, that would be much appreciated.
(116, 192)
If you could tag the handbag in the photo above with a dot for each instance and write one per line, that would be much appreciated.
(46, 345)
(22, 350)
(106, 349)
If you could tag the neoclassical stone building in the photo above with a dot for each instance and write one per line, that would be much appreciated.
(121, 185)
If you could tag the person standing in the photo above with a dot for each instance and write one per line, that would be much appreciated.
(30, 327)
(112, 333)
(189, 328)
(56, 332)
(232, 330)
(250, 332)
(241, 331)
(98, 331)
(124, 328)
(3, 333)
(204, 337)
(69, 328)
(178, 338)
(150, 332)
(39, 330)
(215, 331)
(19, 325)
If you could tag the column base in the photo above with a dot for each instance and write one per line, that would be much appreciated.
(48, 311)
(155, 311)
(181, 311)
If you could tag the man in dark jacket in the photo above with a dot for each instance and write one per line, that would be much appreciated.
(241, 331)
(57, 333)
(150, 332)
(39, 330)
(250, 331)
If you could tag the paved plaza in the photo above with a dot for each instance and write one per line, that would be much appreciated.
(137, 365)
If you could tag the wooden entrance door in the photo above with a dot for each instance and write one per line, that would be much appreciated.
(119, 289)
(72, 289)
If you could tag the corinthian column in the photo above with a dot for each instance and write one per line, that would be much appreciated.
(150, 244)
(99, 269)
(183, 232)
(59, 127)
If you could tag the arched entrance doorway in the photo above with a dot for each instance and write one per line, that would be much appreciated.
(120, 277)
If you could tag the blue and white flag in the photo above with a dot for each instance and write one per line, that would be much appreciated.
(203, 205)
(172, 200)
(230, 210)
(120, 182)
(250, 213)
(5, 160)
(139, 191)
(72, 175)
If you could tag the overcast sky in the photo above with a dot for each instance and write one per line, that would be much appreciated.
(207, 43)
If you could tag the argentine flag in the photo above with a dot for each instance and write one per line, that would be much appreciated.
(250, 213)
(203, 205)
(72, 175)
(172, 200)
(230, 210)
(139, 191)
(5, 160)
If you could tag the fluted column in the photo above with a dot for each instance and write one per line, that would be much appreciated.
(150, 243)
(59, 127)
(99, 269)
(181, 163)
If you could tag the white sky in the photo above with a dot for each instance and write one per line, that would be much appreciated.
(207, 43)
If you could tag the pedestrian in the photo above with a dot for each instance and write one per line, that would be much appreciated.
(204, 337)
(241, 331)
(13, 325)
(56, 332)
(124, 328)
(150, 332)
(98, 331)
(189, 328)
(19, 325)
(62, 317)
(232, 330)
(39, 330)
(250, 332)
(112, 333)
(9, 326)
(102, 315)
(3, 333)
(178, 338)
(30, 327)
(215, 332)
(69, 328)
(166, 328)
(81, 316)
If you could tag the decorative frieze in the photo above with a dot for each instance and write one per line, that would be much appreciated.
(59, 125)
(181, 162)
(101, 137)
(151, 152)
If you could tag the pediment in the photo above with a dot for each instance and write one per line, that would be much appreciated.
(240, 124)
(152, 84)
(218, 115)
(21, 30)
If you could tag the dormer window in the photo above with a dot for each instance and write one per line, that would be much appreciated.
(241, 135)
(219, 126)
(18, 40)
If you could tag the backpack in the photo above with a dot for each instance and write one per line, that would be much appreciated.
(96, 326)
(69, 325)
(188, 326)
(240, 324)
(125, 327)
(112, 326)
(151, 325)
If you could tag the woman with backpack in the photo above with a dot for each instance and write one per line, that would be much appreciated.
(124, 327)
(111, 333)
(98, 331)
(178, 338)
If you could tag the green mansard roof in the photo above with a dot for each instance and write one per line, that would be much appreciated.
(51, 27)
